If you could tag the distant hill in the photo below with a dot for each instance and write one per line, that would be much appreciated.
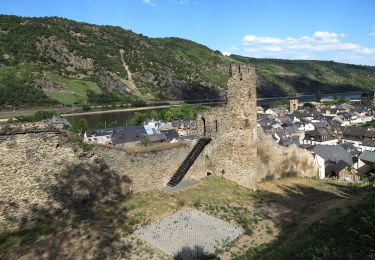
(56, 60)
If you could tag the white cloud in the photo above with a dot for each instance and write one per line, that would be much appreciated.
(230, 50)
(183, 2)
(272, 48)
(320, 45)
(149, 2)
(252, 38)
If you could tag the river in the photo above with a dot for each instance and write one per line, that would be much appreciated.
(123, 117)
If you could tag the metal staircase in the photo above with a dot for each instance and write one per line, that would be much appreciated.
(188, 162)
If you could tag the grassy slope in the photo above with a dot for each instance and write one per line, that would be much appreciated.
(339, 235)
(298, 198)
(74, 91)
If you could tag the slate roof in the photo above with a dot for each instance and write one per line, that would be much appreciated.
(370, 143)
(345, 106)
(128, 134)
(351, 149)
(367, 156)
(99, 132)
(170, 134)
(320, 124)
(370, 133)
(335, 167)
(333, 153)
(354, 131)
(157, 137)
(288, 141)
(292, 129)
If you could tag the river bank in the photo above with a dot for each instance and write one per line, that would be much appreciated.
(134, 109)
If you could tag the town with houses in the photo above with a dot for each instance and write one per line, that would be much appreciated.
(341, 146)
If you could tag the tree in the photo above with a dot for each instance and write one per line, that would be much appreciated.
(113, 124)
(82, 125)
(308, 104)
(318, 96)
(100, 125)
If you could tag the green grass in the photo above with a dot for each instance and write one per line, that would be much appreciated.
(25, 237)
(226, 200)
(74, 90)
(337, 236)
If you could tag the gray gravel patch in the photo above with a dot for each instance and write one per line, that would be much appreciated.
(182, 185)
(189, 233)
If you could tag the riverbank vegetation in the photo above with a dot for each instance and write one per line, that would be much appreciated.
(37, 116)
(183, 112)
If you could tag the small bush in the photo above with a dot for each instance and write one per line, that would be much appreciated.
(197, 203)
(245, 221)
(86, 108)
(85, 146)
(145, 143)
(37, 116)
(181, 203)
(269, 177)
(288, 174)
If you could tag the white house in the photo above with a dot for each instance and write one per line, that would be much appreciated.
(98, 136)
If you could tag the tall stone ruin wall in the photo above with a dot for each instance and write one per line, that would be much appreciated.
(232, 151)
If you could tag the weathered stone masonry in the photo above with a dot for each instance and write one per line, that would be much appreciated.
(232, 151)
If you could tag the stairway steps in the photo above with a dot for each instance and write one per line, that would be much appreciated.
(188, 162)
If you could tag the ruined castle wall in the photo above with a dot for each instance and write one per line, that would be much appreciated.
(151, 170)
(232, 151)
(34, 166)
(276, 161)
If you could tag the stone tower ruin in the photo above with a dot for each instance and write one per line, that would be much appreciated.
(232, 128)
(293, 104)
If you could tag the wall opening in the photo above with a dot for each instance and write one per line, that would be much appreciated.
(216, 126)
(204, 126)
(247, 123)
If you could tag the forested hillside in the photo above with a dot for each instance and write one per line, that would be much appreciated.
(280, 77)
(54, 60)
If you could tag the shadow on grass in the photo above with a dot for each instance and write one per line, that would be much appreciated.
(336, 235)
(299, 198)
(188, 253)
(81, 220)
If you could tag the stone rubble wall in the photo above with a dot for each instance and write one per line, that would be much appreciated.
(28, 165)
(152, 170)
(33, 164)
(276, 161)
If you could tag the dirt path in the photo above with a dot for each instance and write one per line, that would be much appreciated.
(130, 82)
(325, 208)
(11, 113)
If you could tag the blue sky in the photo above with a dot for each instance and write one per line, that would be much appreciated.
(339, 30)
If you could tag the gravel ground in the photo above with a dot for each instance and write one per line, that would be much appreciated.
(189, 233)
(182, 185)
